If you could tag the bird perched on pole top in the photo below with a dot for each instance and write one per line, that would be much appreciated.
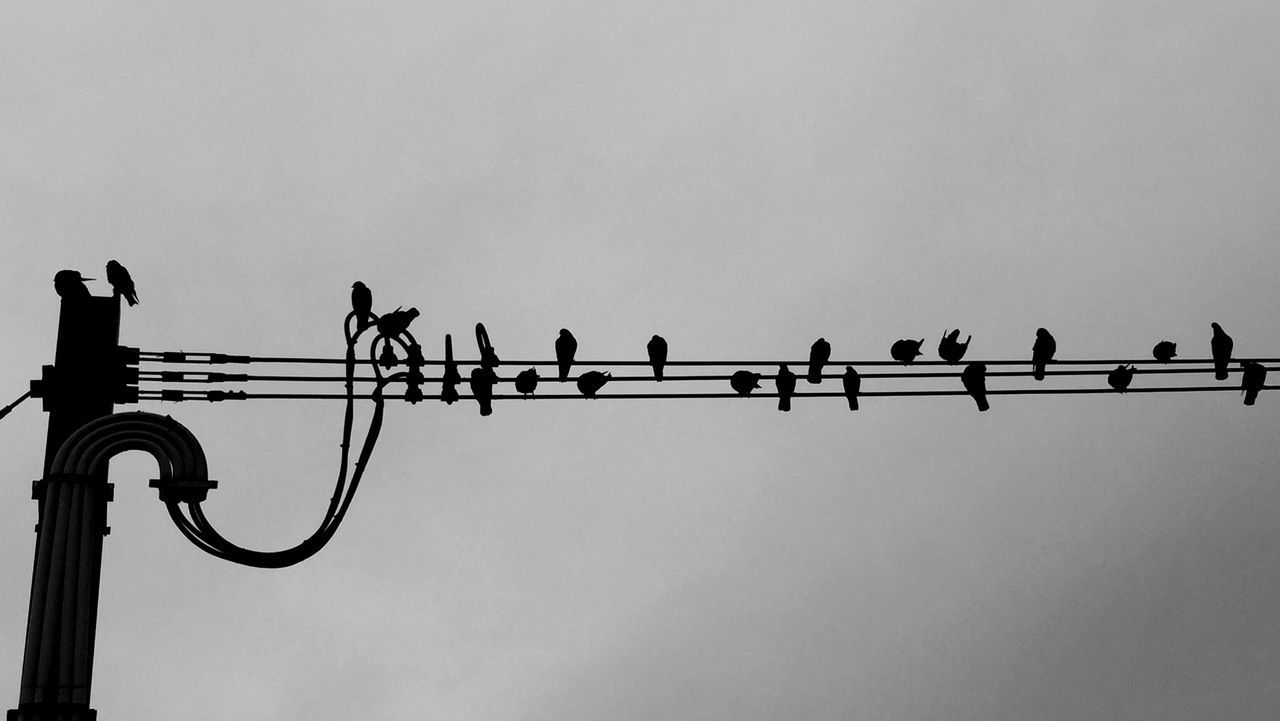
(786, 381)
(362, 305)
(950, 349)
(819, 354)
(657, 348)
(566, 348)
(396, 322)
(1042, 352)
(906, 350)
(1221, 345)
(1164, 351)
(121, 282)
(744, 382)
(70, 285)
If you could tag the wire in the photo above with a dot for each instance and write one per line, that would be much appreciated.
(152, 395)
(9, 408)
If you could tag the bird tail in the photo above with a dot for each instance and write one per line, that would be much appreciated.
(564, 372)
(981, 400)
(1250, 396)
(784, 403)
(132, 297)
(815, 374)
(1220, 371)
(657, 372)
(1038, 373)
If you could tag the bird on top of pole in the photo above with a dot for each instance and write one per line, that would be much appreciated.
(121, 282)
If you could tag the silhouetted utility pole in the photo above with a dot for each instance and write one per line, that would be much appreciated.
(89, 375)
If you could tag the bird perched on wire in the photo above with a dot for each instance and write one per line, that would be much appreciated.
(819, 354)
(786, 381)
(70, 285)
(591, 382)
(1164, 351)
(1255, 374)
(852, 383)
(1120, 378)
(974, 378)
(121, 283)
(1042, 352)
(566, 348)
(1220, 344)
(744, 382)
(657, 347)
(396, 322)
(527, 381)
(906, 350)
(950, 349)
(488, 356)
(450, 379)
(362, 305)
(482, 380)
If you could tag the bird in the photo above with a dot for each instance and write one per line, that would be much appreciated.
(744, 382)
(1221, 345)
(950, 349)
(527, 381)
(1164, 351)
(819, 354)
(974, 378)
(69, 285)
(906, 350)
(1042, 352)
(121, 282)
(1120, 378)
(786, 381)
(362, 305)
(591, 382)
(851, 385)
(566, 347)
(488, 356)
(450, 379)
(657, 348)
(396, 322)
(1255, 374)
(482, 380)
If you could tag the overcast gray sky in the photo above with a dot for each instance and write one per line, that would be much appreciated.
(742, 178)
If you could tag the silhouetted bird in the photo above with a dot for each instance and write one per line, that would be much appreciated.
(591, 382)
(1164, 351)
(482, 380)
(450, 379)
(70, 285)
(488, 356)
(851, 385)
(121, 283)
(786, 381)
(1255, 374)
(744, 382)
(950, 349)
(362, 305)
(566, 348)
(527, 381)
(396, 322)
(906, 350)
(1042, 352)
(1221, 345)
(657, 348)
(819, 354)
(974, 378)
(1120, 378)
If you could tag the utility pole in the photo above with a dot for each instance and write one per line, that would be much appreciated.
(83, 384)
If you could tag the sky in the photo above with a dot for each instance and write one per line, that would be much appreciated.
(741, 178)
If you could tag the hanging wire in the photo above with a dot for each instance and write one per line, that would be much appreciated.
(9, 408)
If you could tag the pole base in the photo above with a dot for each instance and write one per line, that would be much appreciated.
(52, 712)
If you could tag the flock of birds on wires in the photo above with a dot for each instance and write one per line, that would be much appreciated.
(483, 377)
